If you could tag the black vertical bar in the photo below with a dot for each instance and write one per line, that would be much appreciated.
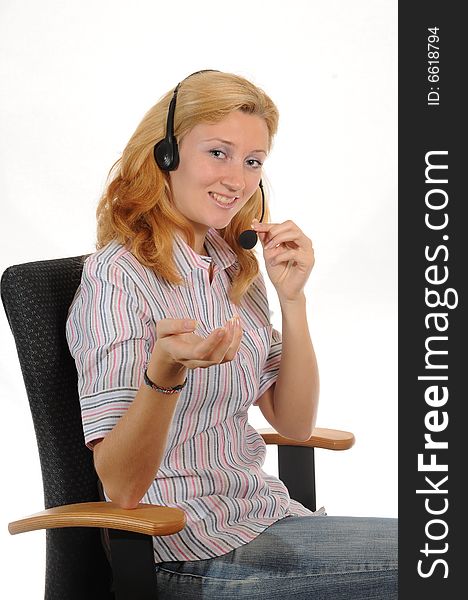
(296, 469)
(432, 297)
(133, 566)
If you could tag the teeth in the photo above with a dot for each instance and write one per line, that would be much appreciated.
(223, 199)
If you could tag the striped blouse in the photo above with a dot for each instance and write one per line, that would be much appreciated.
(212, 467)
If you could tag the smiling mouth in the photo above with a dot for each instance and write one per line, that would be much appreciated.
(223, 201)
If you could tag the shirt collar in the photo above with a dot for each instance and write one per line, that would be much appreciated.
(219, 250)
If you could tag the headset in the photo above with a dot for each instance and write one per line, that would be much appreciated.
(166, 155)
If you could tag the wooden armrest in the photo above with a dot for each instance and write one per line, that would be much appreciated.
(331, 439)
(146, 518)
(151, 519)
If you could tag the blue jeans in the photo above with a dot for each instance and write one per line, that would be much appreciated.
(296, 558)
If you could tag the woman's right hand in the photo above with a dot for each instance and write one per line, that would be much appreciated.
(178, 345)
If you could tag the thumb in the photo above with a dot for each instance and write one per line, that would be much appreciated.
(166, 327)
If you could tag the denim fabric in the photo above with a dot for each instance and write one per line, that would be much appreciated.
(297, 558)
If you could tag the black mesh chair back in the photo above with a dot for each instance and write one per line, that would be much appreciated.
(36, 297)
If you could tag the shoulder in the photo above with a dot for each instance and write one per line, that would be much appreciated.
(112, 258)
(115, 264)
(113, 274)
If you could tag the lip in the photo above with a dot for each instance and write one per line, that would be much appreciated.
(225, 206)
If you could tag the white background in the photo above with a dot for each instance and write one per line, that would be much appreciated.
(76, 79)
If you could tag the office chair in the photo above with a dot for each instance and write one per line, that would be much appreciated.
(94, 549)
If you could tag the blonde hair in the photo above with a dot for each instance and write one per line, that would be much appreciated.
(136, 206)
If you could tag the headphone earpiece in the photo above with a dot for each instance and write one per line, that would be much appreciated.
(166, 154)
(166, 151)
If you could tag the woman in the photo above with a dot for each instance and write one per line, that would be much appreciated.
(170, 330)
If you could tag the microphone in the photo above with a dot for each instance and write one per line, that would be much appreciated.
(248, 238)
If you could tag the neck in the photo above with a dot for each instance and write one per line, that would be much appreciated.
(199, 246)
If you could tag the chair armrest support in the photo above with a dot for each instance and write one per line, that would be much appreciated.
(151, 519)
(147, 519)
(330, 439)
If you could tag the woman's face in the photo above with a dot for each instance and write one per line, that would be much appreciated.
(220, 168)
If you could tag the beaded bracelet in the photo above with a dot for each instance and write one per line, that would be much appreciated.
(164, 390)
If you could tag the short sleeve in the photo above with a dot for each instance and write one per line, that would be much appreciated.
(270, 369)
(109, 335)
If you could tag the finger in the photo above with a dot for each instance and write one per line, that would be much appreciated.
(282, 238)
(264, 227)
(262, 237)
(208, 346)
(165, 327)
(274, 228)
(216, 349)
(292, 255)
(226, 347)
(236, 338)
(213, 348)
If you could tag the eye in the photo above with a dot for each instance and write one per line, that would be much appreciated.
(216, 153)
(253, 162)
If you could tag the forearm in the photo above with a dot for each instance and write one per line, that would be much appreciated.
(297, 386)
(128, 458)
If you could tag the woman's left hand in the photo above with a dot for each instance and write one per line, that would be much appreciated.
(289, 257)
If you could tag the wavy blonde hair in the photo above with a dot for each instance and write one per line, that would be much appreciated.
(136, 207)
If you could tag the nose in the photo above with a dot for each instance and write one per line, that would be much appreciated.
(233, 178)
